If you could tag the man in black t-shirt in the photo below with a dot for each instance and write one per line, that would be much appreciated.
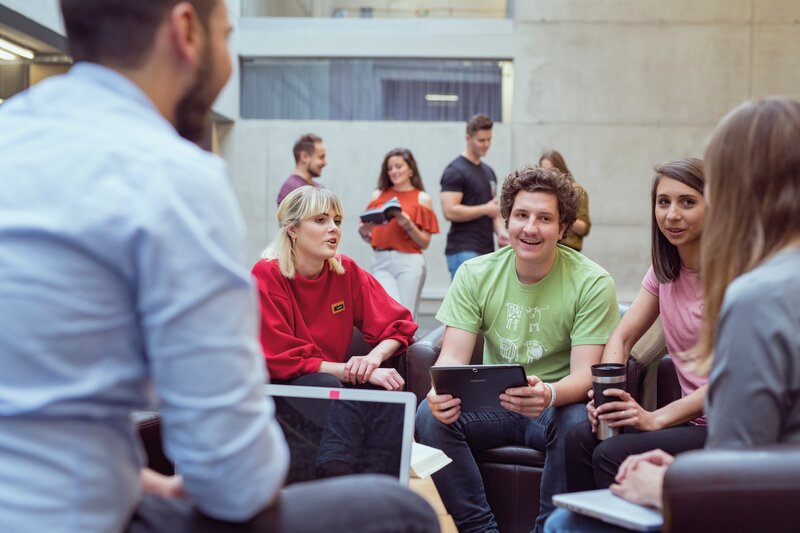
(469, 199)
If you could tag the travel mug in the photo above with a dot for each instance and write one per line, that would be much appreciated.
(607, 376)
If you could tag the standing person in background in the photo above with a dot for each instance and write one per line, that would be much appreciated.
(398, 263)
(309, 157)
(468, 199)
(580, 229)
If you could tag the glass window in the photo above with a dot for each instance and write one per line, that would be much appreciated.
(490, 9)
(374, 89)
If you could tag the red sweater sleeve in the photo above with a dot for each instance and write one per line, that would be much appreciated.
(287, 355)
(379, 316)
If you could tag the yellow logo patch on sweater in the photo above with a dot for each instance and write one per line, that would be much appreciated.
(338, 307)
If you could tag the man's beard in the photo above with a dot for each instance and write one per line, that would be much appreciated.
(192, 111)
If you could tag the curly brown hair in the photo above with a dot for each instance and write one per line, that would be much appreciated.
(539, 179)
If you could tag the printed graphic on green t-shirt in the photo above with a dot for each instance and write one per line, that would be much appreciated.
(532, 325)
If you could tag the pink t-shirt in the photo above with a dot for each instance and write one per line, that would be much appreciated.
(680, 304)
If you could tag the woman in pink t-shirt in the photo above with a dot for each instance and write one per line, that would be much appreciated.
(671, 289)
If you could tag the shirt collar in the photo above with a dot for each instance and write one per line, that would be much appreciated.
(114, 81)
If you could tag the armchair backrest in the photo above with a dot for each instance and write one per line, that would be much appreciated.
(733, 490)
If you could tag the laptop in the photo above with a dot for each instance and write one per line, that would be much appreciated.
(605, 506)
(333, 432)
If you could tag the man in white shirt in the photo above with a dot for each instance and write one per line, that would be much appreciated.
(123, 274)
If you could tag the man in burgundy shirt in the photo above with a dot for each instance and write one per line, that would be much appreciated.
(309, 157)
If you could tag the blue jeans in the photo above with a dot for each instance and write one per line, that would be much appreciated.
(563, 521)
(460, 484)
(454, 260)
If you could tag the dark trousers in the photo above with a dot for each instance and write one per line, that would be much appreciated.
(376, 504)
(593, 464)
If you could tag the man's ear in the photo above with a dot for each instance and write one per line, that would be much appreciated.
(187, 33)
(562, 231)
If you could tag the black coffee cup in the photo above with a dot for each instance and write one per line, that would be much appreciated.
(607, 376)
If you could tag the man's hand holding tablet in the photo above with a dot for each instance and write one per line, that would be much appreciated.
(528, 401)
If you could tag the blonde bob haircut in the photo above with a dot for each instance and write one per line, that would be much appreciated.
(299, 205)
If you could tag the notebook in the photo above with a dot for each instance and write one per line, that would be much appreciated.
(333, 432)
(603, 505)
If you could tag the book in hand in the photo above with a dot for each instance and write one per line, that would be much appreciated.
(382, 214)
(426, 460)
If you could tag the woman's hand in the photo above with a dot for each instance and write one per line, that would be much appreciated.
(404, 221)
(591, 412)
(657, 457)
(626, 412)
(359, 368)
(388, 378)
(365, 230)
(642, 485)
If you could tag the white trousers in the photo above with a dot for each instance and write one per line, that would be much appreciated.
(402, 275)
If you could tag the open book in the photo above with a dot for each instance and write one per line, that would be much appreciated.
(382, 214)
(426, 460)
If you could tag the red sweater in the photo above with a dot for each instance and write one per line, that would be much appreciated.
(307, 321)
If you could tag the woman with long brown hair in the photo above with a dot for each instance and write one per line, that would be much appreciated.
(397, 262)
(671, 290)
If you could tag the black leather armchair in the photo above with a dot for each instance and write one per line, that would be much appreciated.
(741, 490)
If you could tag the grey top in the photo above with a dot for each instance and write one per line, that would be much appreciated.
(754, 392)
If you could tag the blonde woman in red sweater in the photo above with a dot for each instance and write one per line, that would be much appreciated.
(312, 297)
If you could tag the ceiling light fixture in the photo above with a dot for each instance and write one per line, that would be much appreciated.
(441, 98)
(5, 56)
(8, 46)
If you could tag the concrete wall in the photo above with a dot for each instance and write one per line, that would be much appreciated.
(620, 85)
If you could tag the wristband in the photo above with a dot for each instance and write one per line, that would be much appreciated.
(552, 394)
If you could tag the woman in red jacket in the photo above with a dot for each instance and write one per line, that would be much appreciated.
(311, 298)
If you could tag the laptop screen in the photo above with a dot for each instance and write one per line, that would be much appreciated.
(334, 432)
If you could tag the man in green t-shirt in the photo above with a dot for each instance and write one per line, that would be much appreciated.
(538, 304)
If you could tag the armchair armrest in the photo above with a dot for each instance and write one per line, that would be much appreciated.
(419, 358)
(734, 490)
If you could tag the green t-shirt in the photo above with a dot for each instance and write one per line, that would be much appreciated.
(533, 325)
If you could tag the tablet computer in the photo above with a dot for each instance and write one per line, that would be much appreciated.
(478, 386)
